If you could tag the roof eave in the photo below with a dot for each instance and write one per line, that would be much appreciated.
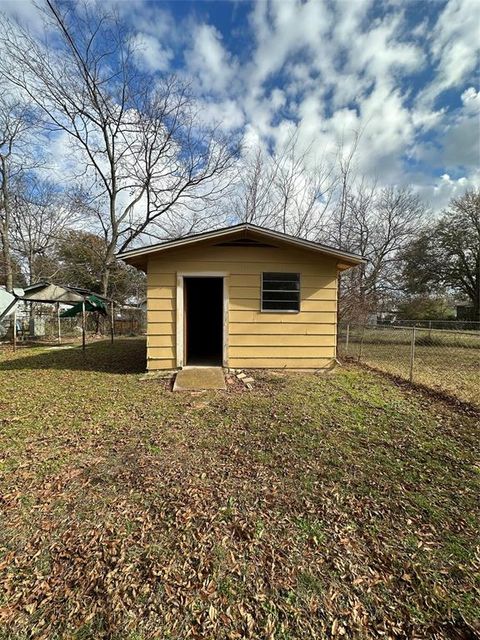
(180, 242)
(130, 256)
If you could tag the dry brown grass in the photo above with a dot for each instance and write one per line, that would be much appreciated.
(311, 507)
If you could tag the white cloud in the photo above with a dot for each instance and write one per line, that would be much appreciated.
(285, 28)
(148, 17)
(425, 119)
(461, 142)
(380, 52)
(62, 160)
(149, 53)
(25, 12)
(440, 191)
(454, 45)
(388, 125)
(328, 70)
(340, 74)
(471, 100)
(227, 114)
(207, 60)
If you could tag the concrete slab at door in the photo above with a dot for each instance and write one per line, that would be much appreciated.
(199, 379)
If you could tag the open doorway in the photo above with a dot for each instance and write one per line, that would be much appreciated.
(203, 321)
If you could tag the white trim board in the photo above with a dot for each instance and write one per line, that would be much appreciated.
(180, 315)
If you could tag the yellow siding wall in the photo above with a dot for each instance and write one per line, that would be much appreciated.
(297, 340)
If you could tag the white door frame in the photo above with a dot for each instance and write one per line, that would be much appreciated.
(180, 324)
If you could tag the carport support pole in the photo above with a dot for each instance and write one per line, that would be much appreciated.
(412, 353)
(112, 323)
(83, 325)
(59, 332)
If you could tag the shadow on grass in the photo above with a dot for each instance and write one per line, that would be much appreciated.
(124, 356)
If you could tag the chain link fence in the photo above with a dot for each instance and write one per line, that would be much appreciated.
(45, 326)
(443, 359)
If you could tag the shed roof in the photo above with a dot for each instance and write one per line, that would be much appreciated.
(245, 230)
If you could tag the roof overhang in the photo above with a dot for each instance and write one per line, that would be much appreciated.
(139, 257)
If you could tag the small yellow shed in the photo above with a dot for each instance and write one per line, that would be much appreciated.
(241, 297)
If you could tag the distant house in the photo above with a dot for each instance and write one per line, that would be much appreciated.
(242, 296)
(464, 311)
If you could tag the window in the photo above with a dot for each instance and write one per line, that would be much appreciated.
(280, 292)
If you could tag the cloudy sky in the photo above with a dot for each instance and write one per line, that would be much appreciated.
(403, 75)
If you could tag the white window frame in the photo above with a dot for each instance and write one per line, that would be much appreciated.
(180, 315)
(298, 274)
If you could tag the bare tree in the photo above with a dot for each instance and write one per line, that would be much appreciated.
(285, 190)
(351, 228)
(15, 125)
(141, 151)
(189, 220)
(346, 178)
(39, 216)
(304, 190)
(252, 199)
(378, 224)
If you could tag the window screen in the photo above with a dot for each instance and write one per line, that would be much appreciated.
(281, 292)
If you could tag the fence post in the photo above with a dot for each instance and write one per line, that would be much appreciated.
(347, 339)
(360, 349)
(412, 353)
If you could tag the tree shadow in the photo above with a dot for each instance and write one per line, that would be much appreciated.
(125, 355)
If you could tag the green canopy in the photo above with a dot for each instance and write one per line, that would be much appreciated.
(92, 303)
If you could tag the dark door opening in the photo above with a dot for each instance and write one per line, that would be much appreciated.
(203, 321)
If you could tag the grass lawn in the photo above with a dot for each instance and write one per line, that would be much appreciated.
(454, 370)
(314, 506)
(450, 364)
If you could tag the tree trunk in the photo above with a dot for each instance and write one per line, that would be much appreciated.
(109, 262)
(112, 244)
(8, 270)
(105, 280)
(31, 275)
(5, 228)
(7, 261)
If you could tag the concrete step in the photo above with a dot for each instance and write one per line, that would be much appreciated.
(199, 379)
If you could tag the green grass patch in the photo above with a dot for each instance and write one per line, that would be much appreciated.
(445, 361)
(310, 507)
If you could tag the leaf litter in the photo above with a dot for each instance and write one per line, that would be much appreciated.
(309, 507)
